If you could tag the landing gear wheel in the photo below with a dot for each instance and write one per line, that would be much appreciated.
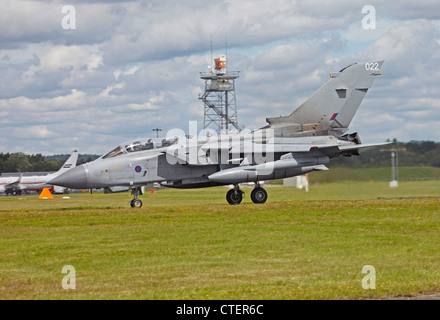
(234, 196)
(259, 195)
(136, 203)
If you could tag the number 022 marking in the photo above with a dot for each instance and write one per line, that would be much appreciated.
(372, 66)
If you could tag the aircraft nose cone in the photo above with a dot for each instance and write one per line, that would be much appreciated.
(75, 178)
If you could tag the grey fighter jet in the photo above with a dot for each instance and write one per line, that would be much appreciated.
(302, 142)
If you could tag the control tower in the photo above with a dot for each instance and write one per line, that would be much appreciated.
(219, 97)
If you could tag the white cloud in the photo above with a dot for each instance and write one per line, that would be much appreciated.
(407, 9)
(20, 104)
(70, 57)
(33, 132)
(132, 65)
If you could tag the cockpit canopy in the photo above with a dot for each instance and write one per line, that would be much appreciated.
(140, 145)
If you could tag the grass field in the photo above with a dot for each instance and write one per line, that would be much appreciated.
(190, 244)
(375, 174)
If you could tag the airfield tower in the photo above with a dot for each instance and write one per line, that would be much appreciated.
(220, 109)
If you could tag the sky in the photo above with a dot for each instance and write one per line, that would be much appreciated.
(89, 75)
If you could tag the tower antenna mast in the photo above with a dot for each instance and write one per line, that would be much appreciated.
(220, 109)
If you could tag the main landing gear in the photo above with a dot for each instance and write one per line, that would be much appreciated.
(14, 192)
(136, 203)
(235, 196)
(259, 195)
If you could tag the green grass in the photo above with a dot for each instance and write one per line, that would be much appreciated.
(190, 244)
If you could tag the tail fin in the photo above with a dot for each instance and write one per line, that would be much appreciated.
(70, 163)
(334, 105)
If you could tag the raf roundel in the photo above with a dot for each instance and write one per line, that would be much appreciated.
(138, 169)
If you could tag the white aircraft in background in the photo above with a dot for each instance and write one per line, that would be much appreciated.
(15, 185)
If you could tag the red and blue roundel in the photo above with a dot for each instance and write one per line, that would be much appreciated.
(138, 169)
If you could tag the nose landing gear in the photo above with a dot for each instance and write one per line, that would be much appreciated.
(136, 203)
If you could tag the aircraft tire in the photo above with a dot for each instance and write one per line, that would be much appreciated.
(234, 196)
(259, 195)
(136, 203)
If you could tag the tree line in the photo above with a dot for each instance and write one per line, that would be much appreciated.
(413, 153)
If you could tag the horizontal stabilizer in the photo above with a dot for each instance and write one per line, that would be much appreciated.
(362, 146)
(14, 184)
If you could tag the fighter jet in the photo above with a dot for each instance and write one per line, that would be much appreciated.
(15, 185)
(302, 142)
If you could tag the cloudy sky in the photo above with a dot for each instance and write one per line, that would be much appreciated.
(131, 66)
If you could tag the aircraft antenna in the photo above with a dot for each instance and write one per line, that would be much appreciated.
(211, 53)
(226, 51)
